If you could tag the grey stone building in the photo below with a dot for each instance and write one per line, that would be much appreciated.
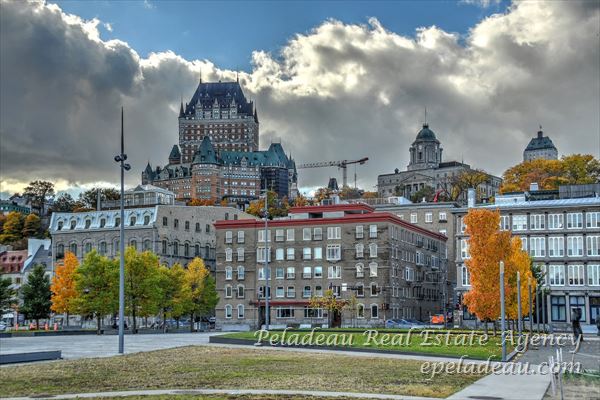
(426, 168)
(540, 147)
(176, 233)
(394, 268)
(562, 236)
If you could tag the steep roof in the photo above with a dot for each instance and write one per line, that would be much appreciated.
(426, 134)
(175, 153)
(223, 93)
(540, 142)
(206, 153)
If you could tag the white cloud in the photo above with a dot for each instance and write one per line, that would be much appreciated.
(108, 26)
(337, 92)
(481, 3)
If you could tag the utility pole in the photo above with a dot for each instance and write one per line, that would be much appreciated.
(502, 312)
(267, 274)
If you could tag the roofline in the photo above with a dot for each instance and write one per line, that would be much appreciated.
(331, 207)
(347, 219)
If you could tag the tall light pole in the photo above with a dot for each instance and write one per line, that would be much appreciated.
(519, 312)
(267, 274)
(502, 311)
(530, 306)
(124, 167)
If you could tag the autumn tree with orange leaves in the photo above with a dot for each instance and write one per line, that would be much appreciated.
(63, 286)
(488, 245)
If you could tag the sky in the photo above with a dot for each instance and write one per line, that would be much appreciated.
(332, 80)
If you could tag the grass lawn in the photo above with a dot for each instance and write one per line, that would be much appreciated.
(222, 368)
(435, 342)
(223, 397)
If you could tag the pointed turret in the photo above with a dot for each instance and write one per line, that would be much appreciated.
(206, 153)
(181, 113)
(255, 116)
(175, 156)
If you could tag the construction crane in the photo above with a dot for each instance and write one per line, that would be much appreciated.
(343, 164)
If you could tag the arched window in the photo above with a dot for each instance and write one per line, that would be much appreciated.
(241, 272)
(360, 311)
(228, 255)
(207, 251)
(102, 248)
(87, 247)
(360, 290)
(73, 248)
(186, 250)
(240, 291)
(102, 222)
(176, 248)
(133, 243)
(240, 311)
(146, 219)
(60, 251)
(228, 291)
(132, 221)
(117, 222)
(374, 290)
(360, 250)
(73, 223)
(373, 250)
(374, 311)
(60, 225)
(116, 247)
(228, 273)
(197, 250)
(88, 223)
(228, 311)
(360, 270)
(147, 245)
(373, 270)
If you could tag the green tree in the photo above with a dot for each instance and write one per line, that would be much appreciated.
(330, 303)
(7, 295)
(426, 192)
(201, 289)
(13, 227)
(38, 192)
(141, 280)
(89, 198)
(63, 203)
(36, 295)
(32, 226)
(97, 285)
(174, 295)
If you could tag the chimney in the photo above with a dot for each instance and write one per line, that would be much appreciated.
(471, 198)
(534, 187)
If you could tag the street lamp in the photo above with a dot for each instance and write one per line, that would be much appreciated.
(268, 275)
(124, 167)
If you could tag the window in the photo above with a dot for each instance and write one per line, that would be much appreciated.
(279, 274)
(334, 252)
(291, 254)
(334, 272)
(228, 237)
(240, 291)
(465, 276)
(409, 274)
(88, 223)
(464, 249)
(228, 311)
(87, 247)
(373, 270)
(504, 222)
(372, 231)
(537, 246)
(593, 274)
(197, 250)
(442, 217)
(240, 311)
(577, 302)
(207, 228)
(60, 224)
(261, 273)
(576, 275)
(290, 235)
(260, 254)
(318, 234)
(279, 235)
(197, 226)
(413, 218)
(555, 221)
(519, 222)
(556, 246)
(574, 220)
(307, 291)
(187, 225)
(374, 311)
(228, 254)
(360, 290)
(164, 246)
(307, 272)
(306, 253)
(318, 253)
(186, 250)
(593, 245)
(228, 273)
(291, 292)
(290, 273)
(334, 232)
(241, 254)
(360, 311)
(359, 232)
(558, 307)
(285, 312)
(146, 220)
(261, 235)
(592, 219)
(280, 254)
(306, 234)
(428, 218)
(101, 248)
(165, 221)
(176, 223)
(374, 289)
(360, 250)
(73, 248)
(228, 291)
(117, 223)
(556, 274)
(360, 270)
(241, 273)
(318, 272)
(373, 250)
(279, 291)
(240, 237)
(444, 232)
(537, 222)
(574, 246)
(313, 312)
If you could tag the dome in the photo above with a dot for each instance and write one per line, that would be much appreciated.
(426, 133)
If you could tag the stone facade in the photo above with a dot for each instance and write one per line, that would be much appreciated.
(176, 233)
(393, 267)
(562, 236)
(540, 147)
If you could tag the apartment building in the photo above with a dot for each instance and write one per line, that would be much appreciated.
(394, 268)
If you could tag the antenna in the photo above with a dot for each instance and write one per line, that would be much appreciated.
(425, 122)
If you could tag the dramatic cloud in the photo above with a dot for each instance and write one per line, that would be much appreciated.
(338, 92)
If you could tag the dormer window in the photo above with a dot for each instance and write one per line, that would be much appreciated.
(102, 222)
(60, 225)
(88, 223)
(73, 223)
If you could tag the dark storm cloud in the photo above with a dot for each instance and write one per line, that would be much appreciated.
(338, 92)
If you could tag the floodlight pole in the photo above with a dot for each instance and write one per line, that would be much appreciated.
(267, 274)
(502, 312)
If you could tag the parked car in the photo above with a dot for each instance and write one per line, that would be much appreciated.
(2, 326)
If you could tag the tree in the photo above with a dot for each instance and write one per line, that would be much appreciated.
(196, 279)
(2, 221)
(328, 302)
(97, 285)
(426, 192)
(13, 227)
(89, 198)
(64, 293)
(202, 202)
(63, 203)
(141, 280)
(276, 207)
(32, 226)
(174, 299)
(37, 192)
(7, 295)
(300, 201)
(322, 194)
(487, 247)
(455, 186)
(36, 295)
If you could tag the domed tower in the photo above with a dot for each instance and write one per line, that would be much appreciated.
(425, 152)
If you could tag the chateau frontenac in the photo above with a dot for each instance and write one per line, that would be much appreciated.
(218, 157)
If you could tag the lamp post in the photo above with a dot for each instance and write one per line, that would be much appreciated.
(502, 311)
(267, 274)
(530, 306)
(124, 167)
(519, 312)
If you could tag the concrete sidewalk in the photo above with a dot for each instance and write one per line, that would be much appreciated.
(506, 387)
